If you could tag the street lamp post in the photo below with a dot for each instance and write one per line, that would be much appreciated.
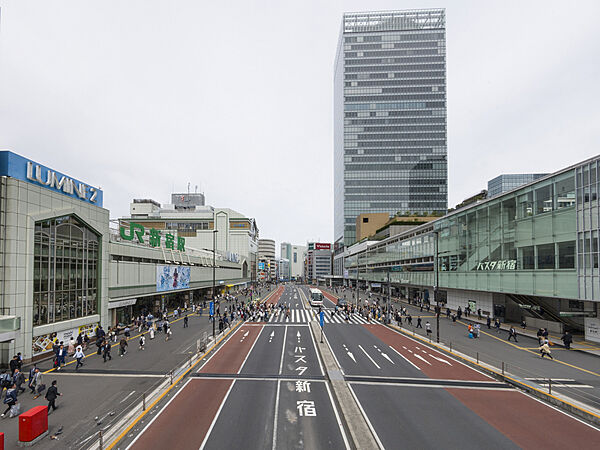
(214, 280)
(435, 289)
(389, 297)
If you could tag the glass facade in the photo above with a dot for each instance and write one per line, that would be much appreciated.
(390, 116)
(523, 242)
(66, 270)
(508, 182)
(588, 229)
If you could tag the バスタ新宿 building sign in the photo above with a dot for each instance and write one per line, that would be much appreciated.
(503, 264)
(16, 166)
(135, 231)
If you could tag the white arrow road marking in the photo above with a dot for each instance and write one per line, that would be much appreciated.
(368, 356)
(244, 337)
(406, 359)
(349, 354)
(440, 359)
(298, 336)
(424, 351)
(418, 348)
(422, 359)
(404, 347)
(271, 335)
(385, 356)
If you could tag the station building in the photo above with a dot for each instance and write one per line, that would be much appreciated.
(528, 253)
(64, 269)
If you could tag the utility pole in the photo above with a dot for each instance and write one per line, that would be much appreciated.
(435, 289)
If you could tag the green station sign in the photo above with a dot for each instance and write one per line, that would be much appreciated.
(137, 231)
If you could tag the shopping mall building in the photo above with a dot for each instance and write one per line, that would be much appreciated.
(64, 270)
(528, 253)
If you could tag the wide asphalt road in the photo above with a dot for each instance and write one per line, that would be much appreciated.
(264, 388)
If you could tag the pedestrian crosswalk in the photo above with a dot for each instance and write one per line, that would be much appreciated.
(305, 316)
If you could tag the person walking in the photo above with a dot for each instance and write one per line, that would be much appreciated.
(488, 322)
(185, 321)
(106, 351)
(60, 356)
(52, 395)
(79, 355)
(545, 350)
(13, 365)
(123, 346)
(18, 380)
(38, 384)
(428, 328)
(419, 322)
(567, 339)
(10, 399)
(151, 332)
(168, 333)
(142, 341)
(512, 333)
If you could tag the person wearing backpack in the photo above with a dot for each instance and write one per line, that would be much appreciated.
(10, 399)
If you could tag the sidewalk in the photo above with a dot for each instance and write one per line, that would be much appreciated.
(578, 343)
(100, 393)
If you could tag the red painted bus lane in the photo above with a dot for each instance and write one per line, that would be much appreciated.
(230, 357)
(186, 420)
(526, 421)
(432, 363)
(273, 299)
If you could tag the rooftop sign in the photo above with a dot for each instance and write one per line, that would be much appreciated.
(16, 166)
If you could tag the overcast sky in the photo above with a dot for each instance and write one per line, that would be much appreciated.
(142, 97)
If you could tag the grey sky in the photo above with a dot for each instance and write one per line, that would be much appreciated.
(236, 97)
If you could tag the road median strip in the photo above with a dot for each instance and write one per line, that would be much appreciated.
(355, 424)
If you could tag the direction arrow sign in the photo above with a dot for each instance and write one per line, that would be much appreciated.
(322, 318)
(212, 308)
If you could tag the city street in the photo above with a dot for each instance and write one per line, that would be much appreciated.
(573, 373)
(266, 388)
(110, 389)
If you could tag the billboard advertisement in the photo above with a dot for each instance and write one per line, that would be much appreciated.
(322, 246)
(42, 344)
(171, 278)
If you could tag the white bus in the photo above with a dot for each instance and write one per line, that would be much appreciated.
(316, 297)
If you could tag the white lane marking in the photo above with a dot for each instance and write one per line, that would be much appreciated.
(216, 416)
(405, 358)
(298, 335)
(276, 415)
(368, 356)
(366, 417)
(349, 354)
(441, 360)
(271, 336)
(384, 355)
(164, 408)
(422, 359)
(404, 347)
(245, 335)
(129, 395)
(251, 348)
(337, 417)
(313, 339)
(283, 350)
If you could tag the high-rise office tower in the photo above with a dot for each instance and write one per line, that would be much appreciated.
(389, 116)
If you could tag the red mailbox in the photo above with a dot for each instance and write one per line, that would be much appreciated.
(33, 423)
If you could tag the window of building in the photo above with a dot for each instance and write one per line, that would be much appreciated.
(295, 257)
(527, 257)
(566, 255)
(543, 199)
(545, 256)
(65, 277)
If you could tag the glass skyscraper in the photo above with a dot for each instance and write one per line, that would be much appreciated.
(389, 116)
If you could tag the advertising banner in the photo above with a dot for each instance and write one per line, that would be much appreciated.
(171, 278)
(43, 343)
(592, 329)
(322, 246)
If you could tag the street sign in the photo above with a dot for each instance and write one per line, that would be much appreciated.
(396, 268)
(212, 308)
(322, 318)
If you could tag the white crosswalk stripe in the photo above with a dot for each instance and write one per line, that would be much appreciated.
(304, 316)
